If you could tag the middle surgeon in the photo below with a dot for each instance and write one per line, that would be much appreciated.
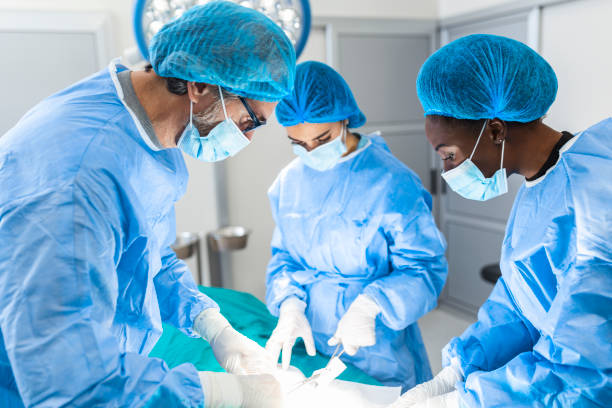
(356, 255)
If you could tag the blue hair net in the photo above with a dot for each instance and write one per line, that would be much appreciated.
(320, 95)
(222, 43)
(484, 77)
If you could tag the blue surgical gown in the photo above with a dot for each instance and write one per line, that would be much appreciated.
(544, 336)
(365, 226)
(87, 275)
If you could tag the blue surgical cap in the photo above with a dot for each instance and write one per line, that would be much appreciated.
(222, 43)
(320, 95)
(484, 77)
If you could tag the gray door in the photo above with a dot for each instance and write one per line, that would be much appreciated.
(380, 60)
(475, 230)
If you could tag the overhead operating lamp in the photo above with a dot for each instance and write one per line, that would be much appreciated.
(293, 16)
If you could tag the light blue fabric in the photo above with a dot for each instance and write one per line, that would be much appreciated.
(544, 336)
(323, 157)
(485, 76)
(320, 95)
(222, 43)
(87, 275)
(365, 226)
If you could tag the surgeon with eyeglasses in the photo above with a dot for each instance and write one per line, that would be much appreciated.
(357, 258)
(89, 179)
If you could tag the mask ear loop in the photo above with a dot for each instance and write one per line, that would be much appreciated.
(501, 163)
(190, 113)
(222, 101)
(479, 136)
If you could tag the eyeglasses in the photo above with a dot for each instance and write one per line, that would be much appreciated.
(256, 122)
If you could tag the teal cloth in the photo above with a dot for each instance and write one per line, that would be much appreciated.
(249, 316)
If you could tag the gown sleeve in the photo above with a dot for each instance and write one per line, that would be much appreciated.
(180, 301)
(58, 296)
(279, 284)
(416, 253)
(571, 362)
(499, 334)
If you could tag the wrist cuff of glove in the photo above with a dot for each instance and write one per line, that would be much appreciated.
(293, 304)
(221, 390)
(368, 305)
(210, 323)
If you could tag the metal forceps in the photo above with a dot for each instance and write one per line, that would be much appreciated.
(333, 367)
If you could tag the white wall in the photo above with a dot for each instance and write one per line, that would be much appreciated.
(418, 9)
(451, 8)
(120, 12)
(576, 39)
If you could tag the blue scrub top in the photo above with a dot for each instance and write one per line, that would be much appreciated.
(544, 336)
(364, 226)
(87, 275)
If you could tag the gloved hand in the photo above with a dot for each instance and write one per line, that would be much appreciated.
(357, 328)
(448, 400)
(442, 384)
(236, 353)
(222, 390)
(292, 323)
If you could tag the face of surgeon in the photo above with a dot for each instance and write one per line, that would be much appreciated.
(208, 109)
(454, 140)
(167, 104)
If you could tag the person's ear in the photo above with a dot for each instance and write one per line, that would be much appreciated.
(196, 91)
(497, 130)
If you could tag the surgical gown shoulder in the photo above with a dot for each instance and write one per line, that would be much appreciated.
(82, 129)
(573, 199)
(581, 170)
(587, 165)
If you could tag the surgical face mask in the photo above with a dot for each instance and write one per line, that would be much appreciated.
(223, 141)
(323, 157)
(468, 181)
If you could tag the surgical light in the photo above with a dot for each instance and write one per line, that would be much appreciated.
(293, 16)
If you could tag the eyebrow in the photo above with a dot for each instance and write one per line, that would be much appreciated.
(322, 134)
(316, 138)
(440, 145)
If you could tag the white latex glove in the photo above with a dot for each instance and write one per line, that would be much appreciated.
(223, 390)
(292, 323)
(442, 384)
(448, 400)
(357, 328)
(235, 352)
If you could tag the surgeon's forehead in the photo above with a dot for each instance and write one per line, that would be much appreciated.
(443, 130)
(310, 131)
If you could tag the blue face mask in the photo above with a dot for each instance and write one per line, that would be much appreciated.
(223, 141)
(468, 181)
(323, 157)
